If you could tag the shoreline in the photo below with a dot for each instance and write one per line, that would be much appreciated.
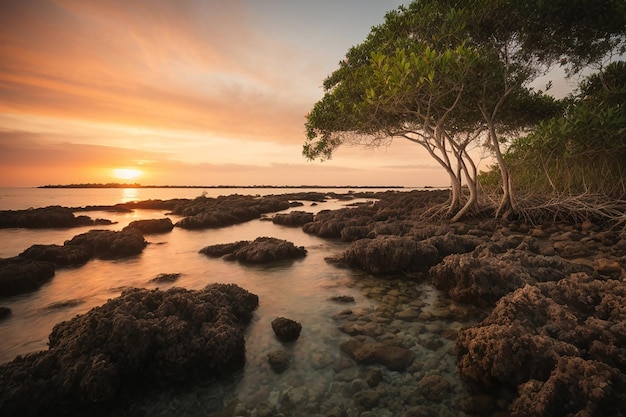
(525, 277)
(115, 185)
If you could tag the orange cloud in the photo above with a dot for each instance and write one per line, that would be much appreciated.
(178, 65)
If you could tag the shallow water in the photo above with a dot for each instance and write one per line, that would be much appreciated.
(320, 376)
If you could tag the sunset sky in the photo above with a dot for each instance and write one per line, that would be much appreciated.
(185, 92)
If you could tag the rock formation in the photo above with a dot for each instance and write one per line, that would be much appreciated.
(259, 251)
(141, 339)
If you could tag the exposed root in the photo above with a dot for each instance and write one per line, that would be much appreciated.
(437, 213)
(538, 209)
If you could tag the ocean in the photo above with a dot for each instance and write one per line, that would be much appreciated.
(299, 290)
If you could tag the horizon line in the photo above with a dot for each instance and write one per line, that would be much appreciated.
(136, 185)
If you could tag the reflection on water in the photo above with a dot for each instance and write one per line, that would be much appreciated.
(320, 376)
(129, 194)
(283, 288)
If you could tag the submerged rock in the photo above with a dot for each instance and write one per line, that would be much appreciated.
(434, 387)
(279, 361)
(394, 358)
(141, 339)
(261, 250)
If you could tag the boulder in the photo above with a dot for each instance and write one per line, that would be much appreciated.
(67, 255)
(477, 280)
(144, 338)
(4, 312)
(151, 226)
(286, 330)
(261, 250)
(19, 275)
(107, 244)
(390, 254)
(221, 249)
(293, 219)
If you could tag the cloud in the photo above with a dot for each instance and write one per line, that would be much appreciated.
(186, 65)
(31, 159)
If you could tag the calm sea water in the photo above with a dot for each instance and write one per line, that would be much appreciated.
(299, 290)
(292, 289)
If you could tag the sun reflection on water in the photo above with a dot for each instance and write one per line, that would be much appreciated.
(129, 194)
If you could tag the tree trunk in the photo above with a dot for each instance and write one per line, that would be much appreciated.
(455, 197)
(471, 185)
(506, 203)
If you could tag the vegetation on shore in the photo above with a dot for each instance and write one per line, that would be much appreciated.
(455, 76)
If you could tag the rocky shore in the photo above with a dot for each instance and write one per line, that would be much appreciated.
(534, 322)
(142, 339)
(37, 264)
(557, 330)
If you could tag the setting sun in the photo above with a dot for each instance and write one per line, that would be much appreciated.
(126, 173)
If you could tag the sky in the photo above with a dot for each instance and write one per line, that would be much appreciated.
(185, 92)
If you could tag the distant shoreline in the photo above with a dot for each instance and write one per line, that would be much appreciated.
(116, 185)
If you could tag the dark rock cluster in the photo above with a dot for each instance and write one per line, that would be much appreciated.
(293, 219)
(21, 275)
(204, 213)
(139, 340)
(286, 330)
(556, 334)
(151, 226)
(561, 344)
(36, 265)
(4, 312)
(259, 251)
(46, 217)
(108, 244)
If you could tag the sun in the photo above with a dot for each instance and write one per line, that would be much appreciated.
(126, 173)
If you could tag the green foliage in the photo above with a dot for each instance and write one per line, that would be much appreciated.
(444, 73)
(582, 151)
(430, 50)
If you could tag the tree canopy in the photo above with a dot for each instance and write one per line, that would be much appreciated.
(449, 75)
